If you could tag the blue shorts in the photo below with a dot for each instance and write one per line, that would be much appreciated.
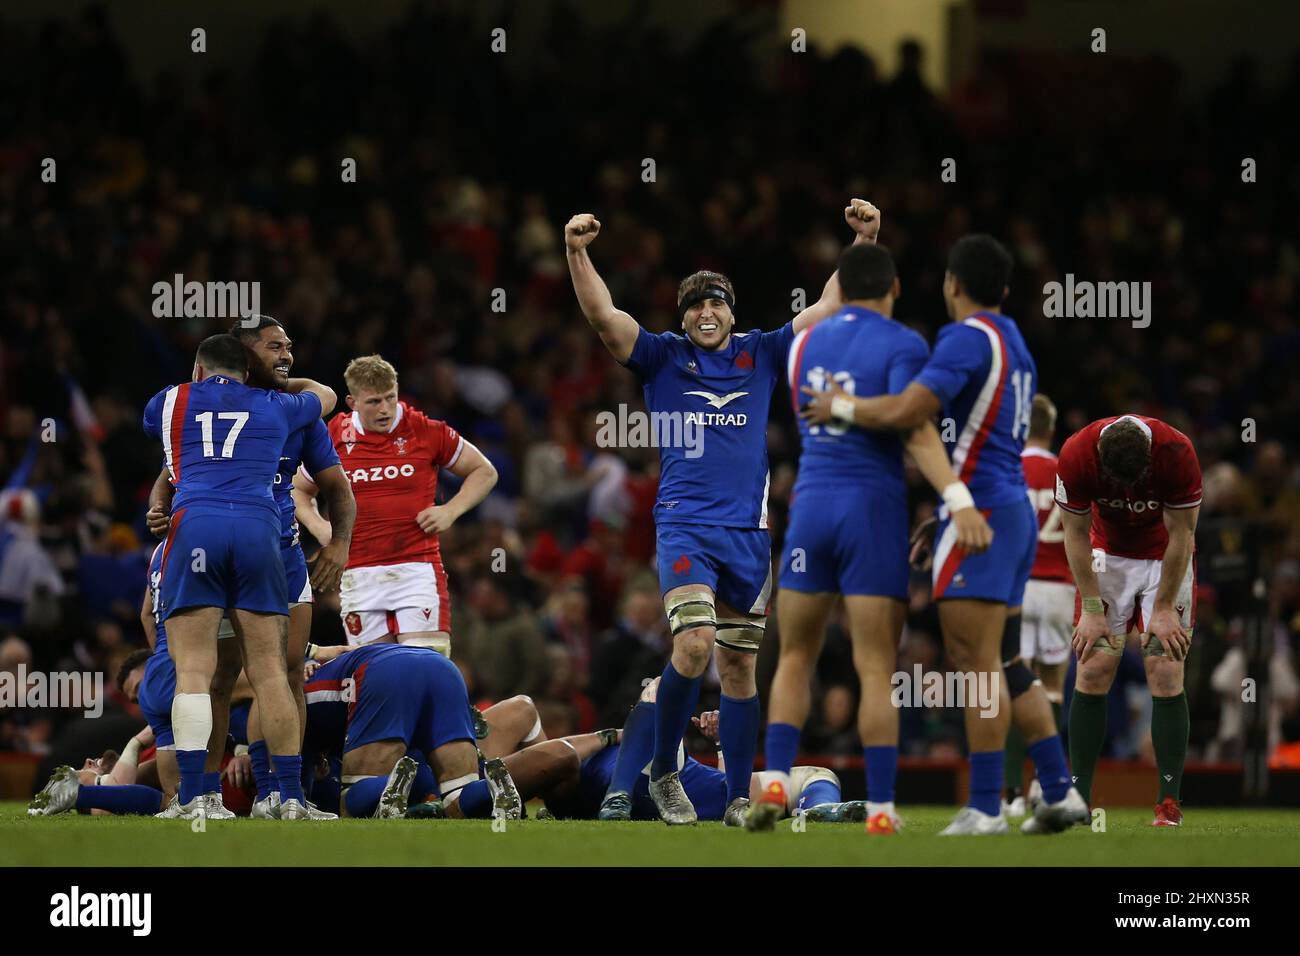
(412, 694)
(297, 586)
(1000, 573)
(707, 788)
(736, 563)
(223, 556)
(157, 688)
(846, 544)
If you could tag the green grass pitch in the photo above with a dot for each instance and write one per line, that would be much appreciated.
(1220, 837)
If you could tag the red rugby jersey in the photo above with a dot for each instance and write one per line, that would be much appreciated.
(1050, 563)
(1129, 522)
(394, 477)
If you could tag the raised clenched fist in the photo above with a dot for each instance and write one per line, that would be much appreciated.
(580, 230)
(863, 218)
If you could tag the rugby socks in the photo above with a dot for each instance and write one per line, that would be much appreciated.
(124, 799)
(819, 792)
(212, 781)
(424, 786)
(260, 757)
(362, 797)
(1087, 737)
(781, 747)
(1170, 726)
(1015, 761)
(1048, 756)
(881, 764)
(191, 728)
(476, 800)
(288, 773)
(635, 749)
(986, 782)
(738, 734)
(674, 705)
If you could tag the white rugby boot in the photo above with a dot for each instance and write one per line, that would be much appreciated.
(972, 822)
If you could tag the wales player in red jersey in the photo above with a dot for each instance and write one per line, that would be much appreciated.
(395, 587)
(1129, 489)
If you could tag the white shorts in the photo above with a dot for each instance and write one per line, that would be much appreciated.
(394, 599)
(1128, 590)
(1047, 622)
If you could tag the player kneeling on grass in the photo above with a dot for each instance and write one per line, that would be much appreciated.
(397, 699)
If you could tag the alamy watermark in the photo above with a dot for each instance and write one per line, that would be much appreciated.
(959, 689)
(206, 300)
(633, 428)
(76, 690)
(1098, 300)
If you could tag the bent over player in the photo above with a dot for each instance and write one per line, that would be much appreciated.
(714, 549)
(1130, 492)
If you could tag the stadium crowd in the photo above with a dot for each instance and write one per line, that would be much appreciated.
(462, 190)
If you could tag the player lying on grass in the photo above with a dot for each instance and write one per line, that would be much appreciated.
(104, 785)
(383, 701)
(711, 532)
(982, 377)
(1130, 493)
(593, 777)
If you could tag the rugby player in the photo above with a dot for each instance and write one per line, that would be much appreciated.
(1129, 489)
(270, 359)
(107, 784)
(222, 440)
(1048, 614)
(395, 587)
(383, 705)
(712, 540)
(584, 777)
(848, 531)
(982, 377)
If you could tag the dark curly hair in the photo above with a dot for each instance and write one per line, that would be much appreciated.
(1125, 452)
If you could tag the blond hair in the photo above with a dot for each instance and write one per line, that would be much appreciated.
(370, 373)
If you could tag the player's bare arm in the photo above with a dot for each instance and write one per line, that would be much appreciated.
(323, 392)
(973, 533)
(480, 477)
(159, 515)
(1092, 625)
(334, 487)
(304, 494)
(1166, 625)
(616, 328)
(864, 219)
(146, 619)
(906, 411)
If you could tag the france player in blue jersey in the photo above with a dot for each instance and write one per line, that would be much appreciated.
(711, 388)
(270, 359)
(381, 706)
(222, 441)
(848, 532)
(982, 378)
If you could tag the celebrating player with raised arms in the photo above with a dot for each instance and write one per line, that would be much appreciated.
(714, 549)
(982, 377)
(222, 441)
(395, 588)
(848, 529)
(1129, 489)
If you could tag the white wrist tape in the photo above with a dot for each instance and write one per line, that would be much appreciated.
(958, 497)
(130, 753)
(842, 409)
